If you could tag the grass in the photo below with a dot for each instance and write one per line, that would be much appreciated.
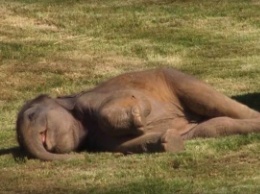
(61, 47)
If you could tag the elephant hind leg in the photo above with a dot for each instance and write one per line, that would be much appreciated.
(202, 99)
(223, 126)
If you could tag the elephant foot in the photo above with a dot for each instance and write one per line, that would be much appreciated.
(138, 119)
(171, 141)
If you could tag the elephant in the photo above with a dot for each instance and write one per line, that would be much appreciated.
(153, 110)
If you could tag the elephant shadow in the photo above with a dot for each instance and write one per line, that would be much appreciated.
(251, 99)
(17, 153)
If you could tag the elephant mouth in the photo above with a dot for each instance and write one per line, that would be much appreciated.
(43, 136)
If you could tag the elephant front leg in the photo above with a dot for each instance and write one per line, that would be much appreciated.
(169, 141)
(121, 116)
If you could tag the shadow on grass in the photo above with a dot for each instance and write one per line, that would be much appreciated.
(252, 100)
(17, 153)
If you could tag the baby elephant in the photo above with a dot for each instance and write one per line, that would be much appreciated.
(147, 111)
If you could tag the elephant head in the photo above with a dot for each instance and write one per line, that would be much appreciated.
(47, 130)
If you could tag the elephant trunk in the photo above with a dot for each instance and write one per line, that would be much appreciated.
(30, 139)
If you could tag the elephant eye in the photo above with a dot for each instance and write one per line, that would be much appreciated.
(32, 112)
(31, 116)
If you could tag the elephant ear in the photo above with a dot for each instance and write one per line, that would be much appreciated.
(67, 102)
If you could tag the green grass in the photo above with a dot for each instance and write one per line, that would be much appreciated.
(65, 46)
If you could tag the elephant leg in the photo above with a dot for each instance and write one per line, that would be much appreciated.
(223, 126)
(204, 100)
(169, 141)
(124, 113)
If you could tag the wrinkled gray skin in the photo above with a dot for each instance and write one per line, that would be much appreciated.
(147, 111)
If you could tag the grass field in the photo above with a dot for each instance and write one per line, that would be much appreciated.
(65, 46)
